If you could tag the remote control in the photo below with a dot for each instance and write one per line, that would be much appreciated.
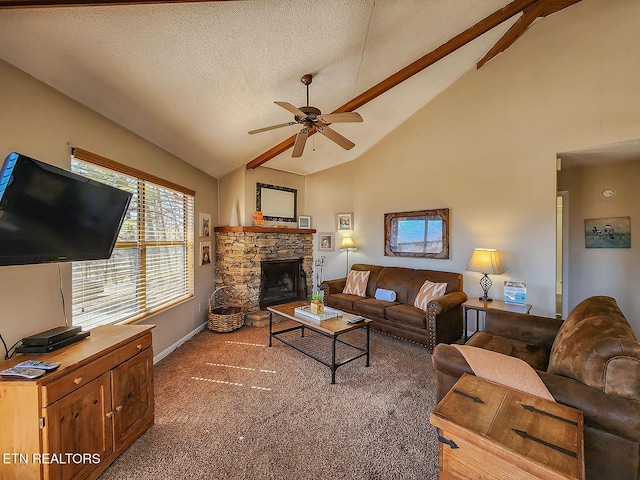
(39, 365)
(22, 372)
(356, 319)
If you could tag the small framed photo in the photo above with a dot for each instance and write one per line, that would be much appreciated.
(304, 221)
(345, 221)
(325, 241)
(204, 225)
(205, 253)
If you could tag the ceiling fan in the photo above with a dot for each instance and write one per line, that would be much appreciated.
(311, 117)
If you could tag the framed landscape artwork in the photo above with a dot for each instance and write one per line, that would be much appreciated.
(421, 233)
(304, 221)
(608, 232)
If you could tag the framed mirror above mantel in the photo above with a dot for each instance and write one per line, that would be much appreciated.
(277, 203)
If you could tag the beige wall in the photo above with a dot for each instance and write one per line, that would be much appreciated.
(240, 186)
(39, 122)
(603, 271)
(486, 149)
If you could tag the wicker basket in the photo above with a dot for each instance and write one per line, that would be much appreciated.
(224, 318)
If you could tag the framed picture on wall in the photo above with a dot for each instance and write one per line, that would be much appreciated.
(304, 221)
(345, 221)
(325, 241)
(204, 224)
(608, 232)
(204, 256)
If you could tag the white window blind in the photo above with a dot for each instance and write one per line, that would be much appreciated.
(151, 267)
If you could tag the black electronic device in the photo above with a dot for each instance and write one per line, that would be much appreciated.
(51, 336)
(53, 346)
(48, 214)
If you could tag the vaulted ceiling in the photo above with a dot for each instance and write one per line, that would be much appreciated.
(195, 77)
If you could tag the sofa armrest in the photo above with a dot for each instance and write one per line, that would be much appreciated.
(446, 302)
(610, 413)
(333, 286)
(444, 318)
(530, 329)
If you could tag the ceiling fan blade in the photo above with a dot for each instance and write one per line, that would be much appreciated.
(301, 139)
(336, 137)
(260, 130)
(291, 108)
(340, 117)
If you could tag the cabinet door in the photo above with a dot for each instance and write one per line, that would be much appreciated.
(77, 434)
(132, 390)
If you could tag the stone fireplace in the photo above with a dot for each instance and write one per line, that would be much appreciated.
(254, 261)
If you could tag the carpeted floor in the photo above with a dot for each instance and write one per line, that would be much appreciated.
(229, 407)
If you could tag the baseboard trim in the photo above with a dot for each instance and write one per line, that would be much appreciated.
(173, 347)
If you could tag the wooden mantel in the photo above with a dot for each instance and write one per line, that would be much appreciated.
(264, 229)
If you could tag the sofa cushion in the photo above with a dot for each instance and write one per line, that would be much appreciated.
(396, 279)
(371, 308)
(428, 292)
(536, 356)
(597, 347)
(407, 314)
(342, 301)
(357, 283)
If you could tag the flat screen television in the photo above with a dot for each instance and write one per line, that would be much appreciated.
(48, 214)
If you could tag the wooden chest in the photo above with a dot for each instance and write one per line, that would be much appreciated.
(489, 431)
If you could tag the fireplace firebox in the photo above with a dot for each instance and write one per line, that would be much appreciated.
(282, 281)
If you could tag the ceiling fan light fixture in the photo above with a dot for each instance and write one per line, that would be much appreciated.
(311, 117)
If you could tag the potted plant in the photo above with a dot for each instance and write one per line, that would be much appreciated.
(317, 305)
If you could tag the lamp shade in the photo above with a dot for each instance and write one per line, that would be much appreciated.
(485, 260)
(347, 244)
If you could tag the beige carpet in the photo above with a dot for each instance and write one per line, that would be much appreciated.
(229, 407)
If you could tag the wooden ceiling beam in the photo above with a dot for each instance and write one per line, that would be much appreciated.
(517, 29)
(89, 3)
(460, 40)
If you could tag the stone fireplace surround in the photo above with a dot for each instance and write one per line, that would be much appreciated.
(240, 252)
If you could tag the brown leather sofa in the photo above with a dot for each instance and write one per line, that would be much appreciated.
(591, 362)
(442, 322)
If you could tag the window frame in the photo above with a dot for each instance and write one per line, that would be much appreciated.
(143, 245)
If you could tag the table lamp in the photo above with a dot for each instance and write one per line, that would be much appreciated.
(486, 261)
(347, 244)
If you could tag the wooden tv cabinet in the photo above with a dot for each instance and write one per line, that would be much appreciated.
(73, 422)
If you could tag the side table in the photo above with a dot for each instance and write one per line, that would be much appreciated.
(480, 306)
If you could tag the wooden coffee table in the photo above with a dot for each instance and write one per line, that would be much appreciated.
(331, 329)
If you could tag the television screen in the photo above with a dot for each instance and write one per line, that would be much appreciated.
(48, 214)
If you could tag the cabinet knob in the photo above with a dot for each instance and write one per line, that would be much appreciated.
(77, 380)
(139, 346)
(109, 414)
(118, 408)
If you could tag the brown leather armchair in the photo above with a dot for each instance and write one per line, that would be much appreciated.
(591, 362)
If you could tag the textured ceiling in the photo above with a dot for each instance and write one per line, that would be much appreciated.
(195, 78)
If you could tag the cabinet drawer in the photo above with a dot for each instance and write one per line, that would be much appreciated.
(66, 384)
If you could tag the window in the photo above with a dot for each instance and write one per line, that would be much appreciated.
(423, 233)
(151, 267)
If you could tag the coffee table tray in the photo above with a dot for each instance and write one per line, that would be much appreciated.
(326, 315)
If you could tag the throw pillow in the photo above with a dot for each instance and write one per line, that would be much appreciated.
(429, 291)
(357, 283)
(384, 294)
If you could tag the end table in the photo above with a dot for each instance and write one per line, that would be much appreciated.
(480, 306)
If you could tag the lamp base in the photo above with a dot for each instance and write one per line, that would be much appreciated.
(485, 299)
